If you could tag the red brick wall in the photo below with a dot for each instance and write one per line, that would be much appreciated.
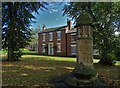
(62, 41)
(68, 44)
(39, 43)
(55, 41)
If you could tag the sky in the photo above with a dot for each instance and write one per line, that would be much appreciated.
(51, 17)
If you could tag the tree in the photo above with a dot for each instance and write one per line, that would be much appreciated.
(34, 39)
(16, 19)
(105, 19)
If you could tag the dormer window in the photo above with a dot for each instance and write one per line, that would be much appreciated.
(59, 35)
(50, 36)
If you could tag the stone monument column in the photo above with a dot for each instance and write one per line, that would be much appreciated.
(84, 44)
(84, 73)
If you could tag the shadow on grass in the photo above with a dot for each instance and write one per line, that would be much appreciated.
(30, 72)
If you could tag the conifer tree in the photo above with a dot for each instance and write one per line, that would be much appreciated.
(16, 19)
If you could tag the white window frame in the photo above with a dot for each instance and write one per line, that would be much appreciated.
(51, 34)
(96, 52)
(59, 32)
(43, 37)
(71, 49)
(73, 34)
(43, 50)
(57, 47)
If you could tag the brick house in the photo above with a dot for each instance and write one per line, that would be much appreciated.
(59, 41)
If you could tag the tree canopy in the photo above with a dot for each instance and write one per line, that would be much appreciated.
(105, 21)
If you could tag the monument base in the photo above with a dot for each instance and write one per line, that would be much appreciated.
(82, 76)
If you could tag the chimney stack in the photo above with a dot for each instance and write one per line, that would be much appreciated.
(44, 27)
(69, 24)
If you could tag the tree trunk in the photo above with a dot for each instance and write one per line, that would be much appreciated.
(10, 53)
(10, 35)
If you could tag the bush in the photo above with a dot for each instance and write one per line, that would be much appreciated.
(18, 54)
(96, 56)
(107, 61)
(117, 55)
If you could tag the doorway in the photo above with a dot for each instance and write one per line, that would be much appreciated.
(50, 49)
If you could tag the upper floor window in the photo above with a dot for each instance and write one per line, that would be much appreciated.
(73, 37)
(59, 35)
(43, 37)
(50, 36)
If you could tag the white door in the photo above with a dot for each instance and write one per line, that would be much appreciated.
(50, 49)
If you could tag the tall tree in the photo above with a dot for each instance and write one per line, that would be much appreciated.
(16, 19)
(105, 19)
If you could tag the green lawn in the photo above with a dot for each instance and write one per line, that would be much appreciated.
(35, 70)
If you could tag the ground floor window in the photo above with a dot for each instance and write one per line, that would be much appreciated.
(73, 49)
(58, 47)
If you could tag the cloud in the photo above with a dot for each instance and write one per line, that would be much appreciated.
(53, 10)
(51, 4)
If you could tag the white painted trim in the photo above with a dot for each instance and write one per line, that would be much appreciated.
(43, 44)
(73, 53)
(58, 31)
(73, 45)
(96, 52)
(73, 33)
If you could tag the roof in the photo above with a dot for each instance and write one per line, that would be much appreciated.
(53, 29)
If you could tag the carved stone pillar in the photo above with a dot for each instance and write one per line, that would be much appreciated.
(84, 72)
(84, 45)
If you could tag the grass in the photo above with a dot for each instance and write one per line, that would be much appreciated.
(36, 70)
(24, 51)
(28, 52)
(3, 52)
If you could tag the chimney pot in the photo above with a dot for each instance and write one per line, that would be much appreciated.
(44, 27)
(69, 24)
